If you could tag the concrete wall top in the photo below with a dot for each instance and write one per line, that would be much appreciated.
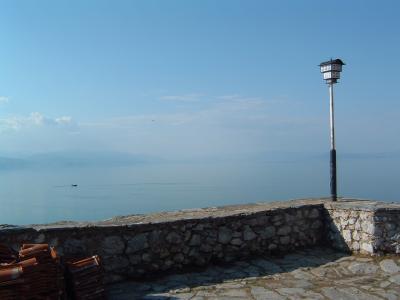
(362, 205)
(212, 213)
(174, 216)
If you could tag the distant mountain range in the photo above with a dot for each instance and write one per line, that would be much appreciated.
(75, 159)
(114, 159)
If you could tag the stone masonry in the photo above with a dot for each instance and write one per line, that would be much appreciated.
(366, 227)
(143, 245)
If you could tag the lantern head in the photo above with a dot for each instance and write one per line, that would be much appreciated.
(331, 70)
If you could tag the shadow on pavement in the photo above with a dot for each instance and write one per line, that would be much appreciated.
(215, 274)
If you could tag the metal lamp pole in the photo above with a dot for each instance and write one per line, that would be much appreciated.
(331, 71)
(333, 146)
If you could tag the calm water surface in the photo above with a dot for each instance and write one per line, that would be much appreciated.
(38, 196)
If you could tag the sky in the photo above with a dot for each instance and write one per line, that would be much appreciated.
(185, 79)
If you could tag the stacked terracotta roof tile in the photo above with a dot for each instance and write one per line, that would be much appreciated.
(10, 281)
(43, 277)
(37, 275)
(85, 278)
(7, 255)
(10, 276)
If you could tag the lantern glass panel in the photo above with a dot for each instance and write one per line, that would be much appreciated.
(336, 67)
(336, 75)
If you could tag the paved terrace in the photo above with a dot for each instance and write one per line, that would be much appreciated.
(317, 273)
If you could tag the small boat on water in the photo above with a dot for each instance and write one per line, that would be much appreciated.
(74, 185)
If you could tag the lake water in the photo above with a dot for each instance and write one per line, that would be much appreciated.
(39, 196)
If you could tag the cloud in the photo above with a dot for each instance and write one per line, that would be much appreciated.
(182, 98)
(153, 120)
(64, 120)
(244, 100)
(231, 110)
(233, 113)
(228, 97)
(216, 125)
(4, 99)
(232, 98)
(34, 119)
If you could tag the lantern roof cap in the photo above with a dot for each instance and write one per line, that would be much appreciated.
(332, 61)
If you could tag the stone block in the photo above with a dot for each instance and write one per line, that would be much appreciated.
(224, 235)
(251, 222)
(367, 247)
(389, 266)
(352, 221)
(204, 247)
(74, 247)
(135, 259)
(114, 263)
(316, 224)
(357, 225)
(236, 242)
(289, 218)
(390, 226)
(347, 235)
(262, 220)
(276, 218)
(355, 246)
(285, 230)
(368, 227)
(113, 245)
(362, 268)
(356, 235)
(195, 240)
(249, 234)
(314, 213)
(173, 238)
(237, 234)
(179, 258)
(137, 243)
(146, 257)
(284, 240)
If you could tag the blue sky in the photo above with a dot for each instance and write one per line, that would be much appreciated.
(197, 78)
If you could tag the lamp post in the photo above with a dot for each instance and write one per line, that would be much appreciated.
(331, 71)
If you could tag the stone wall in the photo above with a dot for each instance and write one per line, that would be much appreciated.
(143, 245)
(367, 227)
(136, 249)
(387, 224)
(351, 230)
